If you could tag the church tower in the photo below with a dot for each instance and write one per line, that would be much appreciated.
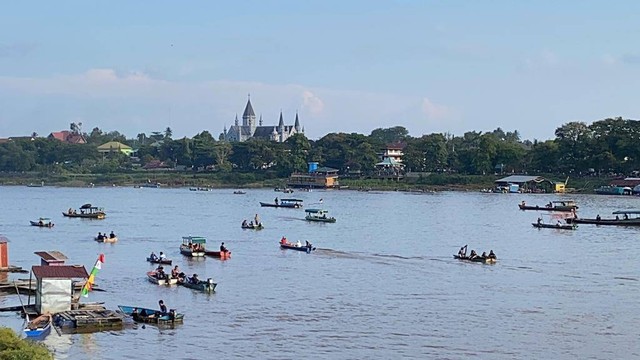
(249, 117)
(297, 124)
(281, 128)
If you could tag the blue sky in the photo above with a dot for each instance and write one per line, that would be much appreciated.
(344, 66)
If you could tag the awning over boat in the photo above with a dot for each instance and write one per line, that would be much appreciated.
(290, 200)
(319, 211)
(619, 212)
(194, 239)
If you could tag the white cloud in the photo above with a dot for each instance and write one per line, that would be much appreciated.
(434, 111)
(313, 103)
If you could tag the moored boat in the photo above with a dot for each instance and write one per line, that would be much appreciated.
(38, 327)
(479, 259)
(565, 206)
(159, 261)
(284, 203)
(319, 215)
(223, 255)
(145, 315)
(193, 246)
(42, 222)
(86, 212)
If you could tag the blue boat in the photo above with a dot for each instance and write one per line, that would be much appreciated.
(144, 315)
(292, 246)
(39, 327)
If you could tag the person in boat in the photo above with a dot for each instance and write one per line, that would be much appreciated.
(598, 217)
(298, 243)
(112, 236)
(462, 253)
(163, 307)
(491, 255)
(160, 273)
(550, 204)
(175, 272)
(626, 216)
(134, 312)
(484, 255)
(100, 236)
(276, 201)
(40, 222)
(223, 249)
(473, 255)
(559, 223)
(617, 217)
(244, 223)
(283, 241)
(153, 255)
(256, 219)
(308, 245)
(194, 279)
(143, 313)
(251, 223)
(539, 221)
(81, 211)
(523, 203)
(75, 212)
(70, 211)
(162, 256)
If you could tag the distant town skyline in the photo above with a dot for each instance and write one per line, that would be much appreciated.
(343, 66)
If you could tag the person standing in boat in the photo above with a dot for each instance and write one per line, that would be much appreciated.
(308, 245)
(276, 201)
(256, 220)
(244, 223)
(539, 221)
(463, 252)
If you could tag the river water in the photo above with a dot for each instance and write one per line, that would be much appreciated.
(382, 284)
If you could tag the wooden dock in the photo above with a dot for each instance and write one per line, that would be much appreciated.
(90, 320)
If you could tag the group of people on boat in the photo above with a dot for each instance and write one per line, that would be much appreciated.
(104, 236)
(196, 247)
(462, 254)
(254, 222)
(160, 274)
(155, 257)
(284, 241)
(163, 311)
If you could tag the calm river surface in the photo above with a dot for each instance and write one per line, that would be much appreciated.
(383, 283)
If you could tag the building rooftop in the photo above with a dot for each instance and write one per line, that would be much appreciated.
(51, 255)
(64, 272)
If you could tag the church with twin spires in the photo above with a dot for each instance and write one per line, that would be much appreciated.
(250, 130)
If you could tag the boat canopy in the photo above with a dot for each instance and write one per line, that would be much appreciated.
(290, 200)
(193, 240)
(619, 212)
(44, 219)
(318, 211)
(564, 202)
(86, 206)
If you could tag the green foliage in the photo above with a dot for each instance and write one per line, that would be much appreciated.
(14, 348)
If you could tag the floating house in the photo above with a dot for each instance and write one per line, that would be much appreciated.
(526, 183)
(315, 177)
(55, 282)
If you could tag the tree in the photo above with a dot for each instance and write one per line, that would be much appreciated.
(382, 136)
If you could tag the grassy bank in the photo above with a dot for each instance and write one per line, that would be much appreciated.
(14, 348)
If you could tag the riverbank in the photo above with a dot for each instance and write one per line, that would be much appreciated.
(427, 183)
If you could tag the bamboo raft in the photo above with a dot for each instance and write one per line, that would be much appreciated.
(90, 319)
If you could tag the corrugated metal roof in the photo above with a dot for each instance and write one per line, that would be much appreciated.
(64, 272)
(520, 179)
(51, 255)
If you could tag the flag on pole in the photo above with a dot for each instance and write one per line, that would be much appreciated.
(88, 285)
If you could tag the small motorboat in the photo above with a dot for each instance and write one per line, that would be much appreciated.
(155, 279)
(239, 192)
(107, 239)
(294, 246)
(159, 261)
(38, 327)
(42, 222)
(222, 255)
(478, 259)
(145, 315)
(253, 226)
(202, 285)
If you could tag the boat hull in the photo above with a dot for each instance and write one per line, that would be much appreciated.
(151, 275)
(478, 260)
(38, 327)
(259, 227)
(289, 206)
(317, 219)
(544, 208)
(35, 223)
(297, 248)
(158, 261)
(191, 253)
(620, 222)
(552, 226)
(223, 255)
(204, 286)
(107, 240)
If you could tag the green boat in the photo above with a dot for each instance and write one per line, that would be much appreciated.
(202, 285)
(319, 215)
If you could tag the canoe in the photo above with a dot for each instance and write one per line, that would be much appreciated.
(556, 226)
(285, 205)
(253, 227)
(217, 254)
(478, 259)
(151, 275)
(36, 223)
(292, 246)
(239, 192)
(153, 317)
(158, 261)
(38, 327)
(202, 285)
(107, 240)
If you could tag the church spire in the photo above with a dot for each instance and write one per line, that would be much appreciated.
(236, 122)
(249, 116)
(260, 122)
(297, 123)
(281, 122)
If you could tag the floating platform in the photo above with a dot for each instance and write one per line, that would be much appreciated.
(90, 320)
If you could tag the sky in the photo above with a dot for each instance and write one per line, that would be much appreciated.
(343, 66)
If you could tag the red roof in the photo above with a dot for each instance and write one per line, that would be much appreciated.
(396, 146)
(51, 255)
(64, 272)
(68, 137)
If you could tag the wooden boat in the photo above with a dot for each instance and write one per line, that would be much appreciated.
(478, 259)
(86, 212)
(152, 316)
(202, 285)
(292, 246)
(223, 255)
(318, 215)
(193, 246)
(253, 226)
(566, 206)
(153, 278)
(239, 192)
(42, 222)
(624, 221)
(158, 261)
(555, 226)
(284, 203)
(107, 239)
(38, 327)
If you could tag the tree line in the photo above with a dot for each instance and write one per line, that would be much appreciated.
(605, 146)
